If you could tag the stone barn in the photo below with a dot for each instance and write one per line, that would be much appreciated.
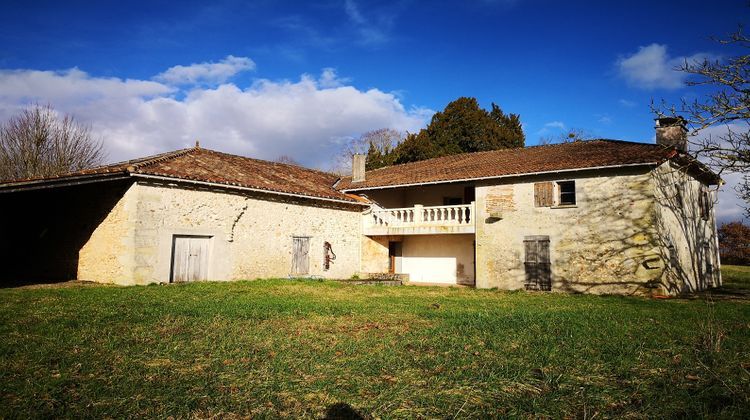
(188, 215)
(600, 216)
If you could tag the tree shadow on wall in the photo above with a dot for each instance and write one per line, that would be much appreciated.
(618, 241)
(688, 243)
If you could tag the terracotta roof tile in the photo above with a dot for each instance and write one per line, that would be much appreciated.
(198, 164)
(506, 162)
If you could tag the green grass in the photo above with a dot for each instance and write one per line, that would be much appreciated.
(280, 348)
(736, 276)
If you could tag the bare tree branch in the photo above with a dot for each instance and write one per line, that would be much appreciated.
(39, 143)
(381, 141)
(727, 106)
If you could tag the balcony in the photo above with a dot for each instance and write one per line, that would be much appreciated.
(420, 220)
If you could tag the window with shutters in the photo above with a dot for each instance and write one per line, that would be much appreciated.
(544, 194)
(552, 194)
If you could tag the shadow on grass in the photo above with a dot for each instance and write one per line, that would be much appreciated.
(726, 292)
(342, 411)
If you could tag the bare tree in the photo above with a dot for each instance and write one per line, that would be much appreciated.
(287, 160)
(382, 141)
(39, 142)
(574, 134)
(726, 106)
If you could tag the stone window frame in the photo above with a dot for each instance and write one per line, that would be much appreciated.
(549, 194)
(705, 202)
(678, 196)
(559, 193)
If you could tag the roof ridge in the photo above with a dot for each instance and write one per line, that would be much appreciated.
(510, 149)
(269, 161)
(159, 158)
(507, 149)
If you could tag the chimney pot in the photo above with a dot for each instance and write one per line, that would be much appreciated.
(358, 167)
(672, 132)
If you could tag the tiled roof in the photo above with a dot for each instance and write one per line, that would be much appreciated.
(198, 164)
(508, 162)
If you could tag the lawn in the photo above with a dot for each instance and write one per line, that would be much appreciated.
(280, 348)
(736, 276)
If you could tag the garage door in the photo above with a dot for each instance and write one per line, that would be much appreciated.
(190, 258)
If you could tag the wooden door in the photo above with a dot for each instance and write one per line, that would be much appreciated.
(189, 258)
(300, 255)
(537, 263)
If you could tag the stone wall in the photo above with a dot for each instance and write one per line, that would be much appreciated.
(250, 234)
(108, 254)
(688, 243)
(603, 244)
(375, 253)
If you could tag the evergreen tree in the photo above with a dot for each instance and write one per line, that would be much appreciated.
(460, 128)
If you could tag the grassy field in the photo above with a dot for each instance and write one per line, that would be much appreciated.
(736, 277)
(293, 348)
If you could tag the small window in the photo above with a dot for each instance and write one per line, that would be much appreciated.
(704, 201)
(678, 195)
(674, 260)
(566, 193)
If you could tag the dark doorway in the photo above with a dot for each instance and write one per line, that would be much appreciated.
(451, 201)
(469, 194)
(395, 252)
(537, 263)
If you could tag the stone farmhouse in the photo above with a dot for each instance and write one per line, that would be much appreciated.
(599, 216)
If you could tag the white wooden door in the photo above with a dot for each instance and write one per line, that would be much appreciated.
(190, 258)
(300, 255)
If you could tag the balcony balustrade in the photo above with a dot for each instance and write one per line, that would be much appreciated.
(420, 220)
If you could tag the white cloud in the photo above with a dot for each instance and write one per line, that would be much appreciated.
(651, 67)
(626, 103)
(730, 206)
(551, 126)
(305, 119)
(208, 73)
(329, 79)
(604, 119)
(352, 10)
(370, 33)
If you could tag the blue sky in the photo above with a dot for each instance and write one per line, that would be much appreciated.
(299, 78)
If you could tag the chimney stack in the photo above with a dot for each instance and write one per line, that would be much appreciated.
(672, 132)
(358, 167)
